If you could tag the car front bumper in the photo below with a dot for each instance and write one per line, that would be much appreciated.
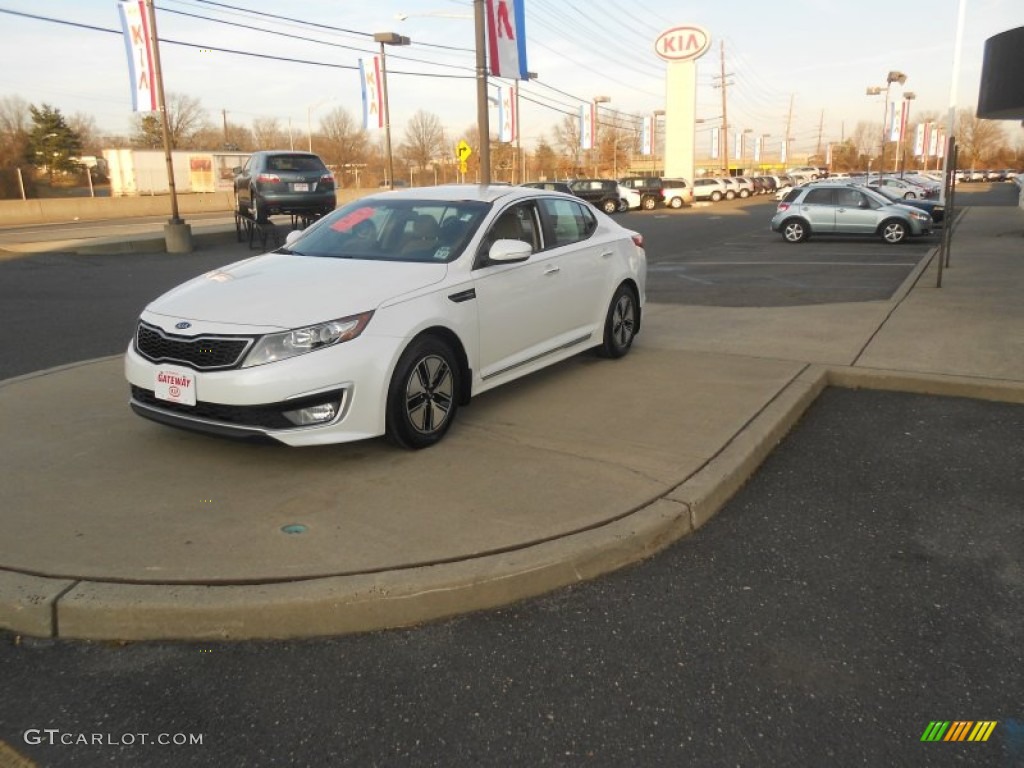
(251, 402)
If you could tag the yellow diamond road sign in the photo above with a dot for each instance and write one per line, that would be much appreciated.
(463, 151)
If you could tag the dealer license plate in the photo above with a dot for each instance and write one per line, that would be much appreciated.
(175, 385)
(300, 187)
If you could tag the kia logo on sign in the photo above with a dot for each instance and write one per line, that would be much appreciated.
(682, 43)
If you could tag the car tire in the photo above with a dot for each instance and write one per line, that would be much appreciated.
(744, 193)
(424, 394)
(623, 206)
(610, 206)
(716, 196)
(893, 231)
(649, 204)
(620, 324)
(675, 202)
(795, 230)
(730, 195)
(258, 211)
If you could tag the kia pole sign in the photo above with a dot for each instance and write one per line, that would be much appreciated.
(682, 43)
(680, 47)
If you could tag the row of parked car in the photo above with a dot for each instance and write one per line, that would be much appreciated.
(1004, 174)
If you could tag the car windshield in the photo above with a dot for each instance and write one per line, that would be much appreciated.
(393, 230)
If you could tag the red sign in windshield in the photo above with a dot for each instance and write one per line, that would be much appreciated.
(346, 222)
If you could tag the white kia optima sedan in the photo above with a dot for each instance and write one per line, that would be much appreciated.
(386, 315)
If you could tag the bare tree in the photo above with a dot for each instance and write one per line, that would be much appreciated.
(85, 126)
(979, 140)
(865, 138)
(545, 161)
(268, 134)
(14, 129)
(344, 144)
(567, 140)
(424, 140)
(186, 119)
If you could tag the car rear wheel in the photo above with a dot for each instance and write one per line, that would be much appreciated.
(424, 394)
(730, 195)
(649, 203)
(716, 196)
(795, 231)
(258, 211)
(623, 206)
(894, 232)
(676, 202)
(610, 206)
(620, 324)
(744, 193)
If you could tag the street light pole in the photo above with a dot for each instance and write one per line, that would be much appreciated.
(593, 130)
(388, 38)
(901, 148)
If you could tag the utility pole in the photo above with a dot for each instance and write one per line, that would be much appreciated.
(224, 116)
(789, 123)
(821, 126)
(725, 113)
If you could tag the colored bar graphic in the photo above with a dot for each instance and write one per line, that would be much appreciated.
(958, 730)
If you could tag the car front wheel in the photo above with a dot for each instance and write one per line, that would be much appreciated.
(794, 231)
(894, 232)
(649, 203)
(716, 196)
(424, 394)
(620, 324)
(610, 206)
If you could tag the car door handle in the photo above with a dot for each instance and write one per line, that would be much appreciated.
(607, 254)
(552, 270)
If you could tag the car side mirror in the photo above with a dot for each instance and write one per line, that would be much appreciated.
(292, 236)
(509, 251)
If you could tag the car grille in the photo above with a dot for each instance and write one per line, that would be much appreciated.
(257, 416)
(204, 353)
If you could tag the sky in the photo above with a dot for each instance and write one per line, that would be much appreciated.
(814, 57)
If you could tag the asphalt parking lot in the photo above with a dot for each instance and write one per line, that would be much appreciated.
(727, 256)
(865, 582)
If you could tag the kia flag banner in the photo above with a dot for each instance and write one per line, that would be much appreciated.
(506, 39)
(646, 135)
(507, 117)
(373, 97)
(138, 46)
(587, 126)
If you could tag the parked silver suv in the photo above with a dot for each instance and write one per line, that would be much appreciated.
(823, 208)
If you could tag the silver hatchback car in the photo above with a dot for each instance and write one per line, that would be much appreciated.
(824, 208)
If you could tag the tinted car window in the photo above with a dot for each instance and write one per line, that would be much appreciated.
(792, 195)
(819, 197)
(569, 221)
(294, 163)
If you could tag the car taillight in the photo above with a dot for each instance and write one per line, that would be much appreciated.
(783, 207)
(327, 178)
(638, 240)
(268, 178)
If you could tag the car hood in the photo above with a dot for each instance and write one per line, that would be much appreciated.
(289, 291)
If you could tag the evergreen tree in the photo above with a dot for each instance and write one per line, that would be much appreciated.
(52, 144)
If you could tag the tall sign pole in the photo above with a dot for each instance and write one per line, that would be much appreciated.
(177, 233)
(680, 47)
(482, 117)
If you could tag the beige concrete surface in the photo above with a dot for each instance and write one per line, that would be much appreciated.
(120, 528)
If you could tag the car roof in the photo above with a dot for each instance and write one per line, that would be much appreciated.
(487, 193)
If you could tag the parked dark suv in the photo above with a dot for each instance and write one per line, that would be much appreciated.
(601, 193)
(284, 182)
(650, 189)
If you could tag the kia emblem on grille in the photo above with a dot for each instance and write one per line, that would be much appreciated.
(183, 325)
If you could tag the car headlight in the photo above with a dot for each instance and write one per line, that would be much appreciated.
(281, 346)
(920, 216)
